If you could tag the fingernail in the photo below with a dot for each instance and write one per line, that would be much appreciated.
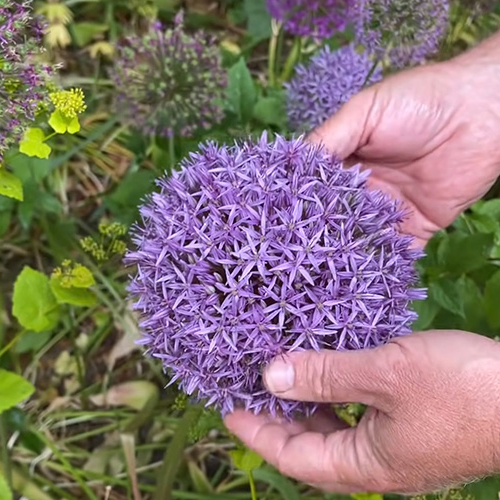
(279, 377)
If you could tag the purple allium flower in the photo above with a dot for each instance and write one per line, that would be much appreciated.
(320, 88)
(260, 249)
(401, 31)
(316, 18)
(22, 78)
(170, 83)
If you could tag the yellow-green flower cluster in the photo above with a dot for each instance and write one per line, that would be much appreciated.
(70, 275)
(70, 103)
(109, 244)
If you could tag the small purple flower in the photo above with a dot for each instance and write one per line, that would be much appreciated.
(260, 249)
(22, 79)
(320, 88)
(316, 18)
(401, 31)
(169, 83)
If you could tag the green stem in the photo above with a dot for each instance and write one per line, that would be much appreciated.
(292, 59)
(7, 466)
(11, 343)
(273, 48)
(171, 152)
(370, 73)
(253, 490)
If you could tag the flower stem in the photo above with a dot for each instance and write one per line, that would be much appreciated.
(253, 490)
(370, 73)
(11, 343)
(5, 452)
(171, 152)
(292, 59)
(273, 50)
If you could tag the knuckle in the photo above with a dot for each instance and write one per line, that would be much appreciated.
(318, 376)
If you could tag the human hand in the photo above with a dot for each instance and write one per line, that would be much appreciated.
(430, 136)
(434, 402)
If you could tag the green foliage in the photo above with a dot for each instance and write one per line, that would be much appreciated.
(10, 185)
(13, 390)
(246, 460)
(33, 144)
(241, 92)
(64, 124)
(5, 491)
(34, 304)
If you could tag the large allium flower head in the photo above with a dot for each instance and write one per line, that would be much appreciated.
(329, 80)
(403, 32)
(316, 18)
(23, 77)
(170, 83)
(260, 249)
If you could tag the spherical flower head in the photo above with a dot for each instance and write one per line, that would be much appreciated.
(22, 77)
(315, 18)
(260, 249)
(400, 31)
(329, 80)
(70, 103)
(170, 83)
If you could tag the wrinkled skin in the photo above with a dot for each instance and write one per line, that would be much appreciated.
(431, 137)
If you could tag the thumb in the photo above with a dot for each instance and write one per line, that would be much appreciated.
(346, 131)
(368, 376)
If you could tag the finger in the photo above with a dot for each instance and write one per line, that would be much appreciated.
(344, 133)
(369, 376)
(309, 457)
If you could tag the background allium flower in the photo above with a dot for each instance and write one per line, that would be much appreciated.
(260, 249)
(170, 82)
(405, 32)
(316, 18)
(22, 78)
(321, 87)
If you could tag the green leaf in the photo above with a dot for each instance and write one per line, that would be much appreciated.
(475, 316)
(445, 293)
(427, 311)
(492, 300)
(284, 486)
(73, 296)
(32, 144)
(487, 489)
(259, 19)
(62, 124)
(270, 111)
(367, 496)
(84, 33)
(459, 254)
(10, 185)
(5, 492)
(491, 208)
(241, 92)
(13, 390)
(31, 341)
(34, 304)
(246, 460)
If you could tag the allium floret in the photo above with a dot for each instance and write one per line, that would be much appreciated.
(259, 249)
(22, 77)
(402, 32)
(315, 18)
(170, 83)
(329, 80)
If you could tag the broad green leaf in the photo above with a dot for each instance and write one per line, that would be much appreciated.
(484, 223)
(13, 390)
(241, 92)
(246, 460)
(459, 253)
(270, 111)
(31, 341)
(32, 144)
(490, 207)
(445, 293)
(492, 300)
(83, 33)
(10, 185)
(259, 19)
(34, 304)
(5, 492)
(487, 489)
(475, 317)
(62, 124)
(73, 296)
(426, 310)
